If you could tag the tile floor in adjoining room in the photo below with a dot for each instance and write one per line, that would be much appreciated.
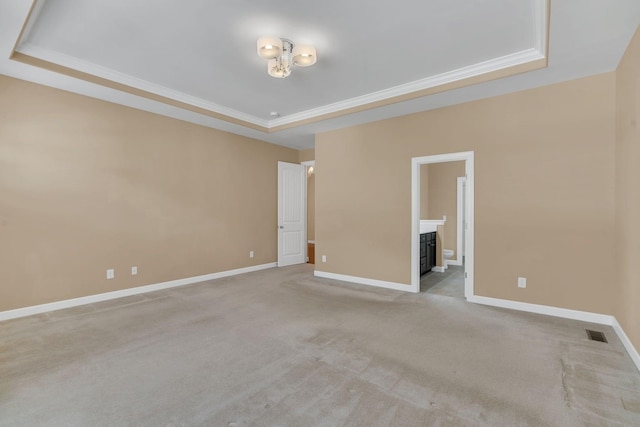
(449, 283)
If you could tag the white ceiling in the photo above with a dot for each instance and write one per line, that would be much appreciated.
(202, 53)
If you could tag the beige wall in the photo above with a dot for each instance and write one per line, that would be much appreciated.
(442, 192)
(628, 190)
(544, 187)
(86, 185)
(306, 156)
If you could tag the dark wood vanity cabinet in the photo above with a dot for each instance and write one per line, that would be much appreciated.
(427, 252)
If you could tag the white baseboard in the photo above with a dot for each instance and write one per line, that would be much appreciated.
(585, 316)
(495, 302)
(453, 261)
(627, 343)
(364, 281)
(438, 269)
(59, 305)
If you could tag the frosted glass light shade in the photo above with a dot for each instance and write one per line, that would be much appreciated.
(304, 55)
(275, 69)
(282, 54)
(269, 47)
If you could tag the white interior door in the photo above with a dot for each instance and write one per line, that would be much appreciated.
(292, 214)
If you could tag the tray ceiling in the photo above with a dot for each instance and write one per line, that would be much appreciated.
(198, 58)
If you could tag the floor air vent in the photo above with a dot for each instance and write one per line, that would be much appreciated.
(596, 336)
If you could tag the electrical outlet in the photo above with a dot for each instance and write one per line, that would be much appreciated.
(324, 258)
(250, 254)
(111, 273)
(522, 282)
(134, 270)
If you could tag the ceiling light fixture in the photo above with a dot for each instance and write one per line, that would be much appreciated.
(281, 54)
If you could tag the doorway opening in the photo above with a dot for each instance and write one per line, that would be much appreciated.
(465, 238)
(311, 210)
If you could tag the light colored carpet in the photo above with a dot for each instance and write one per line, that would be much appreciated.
(281, 348)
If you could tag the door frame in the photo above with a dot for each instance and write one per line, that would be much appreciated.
(303, 207)
(461, 183)
(416, 162)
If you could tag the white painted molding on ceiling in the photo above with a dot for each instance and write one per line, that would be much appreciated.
(481, 68)
(32, 18)
(540, 14)
(127, 80)
(364, 281)
(459, 74)
(59, 305)
(537, 52)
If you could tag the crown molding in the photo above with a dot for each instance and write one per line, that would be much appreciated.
(458, 75)
(541, 18)
(511, 64)
(133, 82)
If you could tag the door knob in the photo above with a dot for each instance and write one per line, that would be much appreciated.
(281, 227)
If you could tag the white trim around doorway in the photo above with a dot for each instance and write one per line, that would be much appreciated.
(416, 162)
